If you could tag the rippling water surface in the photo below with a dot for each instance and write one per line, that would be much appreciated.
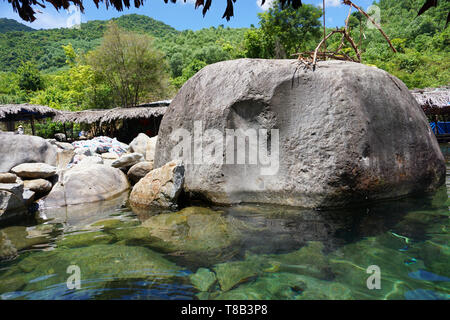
(240, 252)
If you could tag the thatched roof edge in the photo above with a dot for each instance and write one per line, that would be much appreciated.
(432, 98)
(15, 109)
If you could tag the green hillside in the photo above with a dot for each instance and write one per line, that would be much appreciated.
(422, 60)
(7, 25)
(47, 44)
(49, 56)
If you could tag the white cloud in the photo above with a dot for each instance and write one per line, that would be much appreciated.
(330, 3)
(266, 5)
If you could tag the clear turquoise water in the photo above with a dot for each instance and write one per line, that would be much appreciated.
(240, 252)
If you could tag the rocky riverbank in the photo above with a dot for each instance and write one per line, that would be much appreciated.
(342, 135)
(64, 174)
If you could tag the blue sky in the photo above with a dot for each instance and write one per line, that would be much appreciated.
(180, 16)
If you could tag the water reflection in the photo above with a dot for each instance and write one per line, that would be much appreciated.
(239, 252)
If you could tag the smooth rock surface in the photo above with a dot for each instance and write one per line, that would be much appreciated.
(144, 145)
(90, 160)
(64, 157)
(160, 187)
(16, 149)
(11, 197)
(110, 156)
(34, 170)
(38, 185)
(84, 184)
(128, 160)
(192, 229)
(348, 133)
(139, 144)
(150, 149)
(64, 145)
(7, 177)
(28, 196)
(139, 170)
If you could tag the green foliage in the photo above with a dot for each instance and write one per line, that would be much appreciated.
(29, 77)
(7, 25)
(130, 65)
(286, 31)
(47, 128)
(73, 77)
(422, 42)
(190, 70)
(9, 89)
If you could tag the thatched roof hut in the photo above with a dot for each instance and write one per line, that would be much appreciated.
(10, 113)
(23, 112)
(433, 101)
(143, 111)
(85, 116)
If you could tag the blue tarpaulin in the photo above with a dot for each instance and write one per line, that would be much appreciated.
(443, 127)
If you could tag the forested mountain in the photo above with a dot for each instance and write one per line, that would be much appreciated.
(422, 42)
(48, 54)
(7, 25)
(46, 45)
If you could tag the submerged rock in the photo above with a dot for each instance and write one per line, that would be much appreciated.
(16, 149)
(77, 217)
(203, 279)
(160, 187)
(230, 274)
(95, 262)
(282, 286)
(84, 239)
(7, 249)
(344, 134)
(308, 260)
(83, 184)
(34, 170)
(193, 229)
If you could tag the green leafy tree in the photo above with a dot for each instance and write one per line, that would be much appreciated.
(29, 77)
(190, 70)
(284, 32)
(131, 66)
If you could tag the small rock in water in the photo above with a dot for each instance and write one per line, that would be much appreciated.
(203, 279)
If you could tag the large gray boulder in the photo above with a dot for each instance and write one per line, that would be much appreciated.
(346, 133)
(85, 184)
(16, 149)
